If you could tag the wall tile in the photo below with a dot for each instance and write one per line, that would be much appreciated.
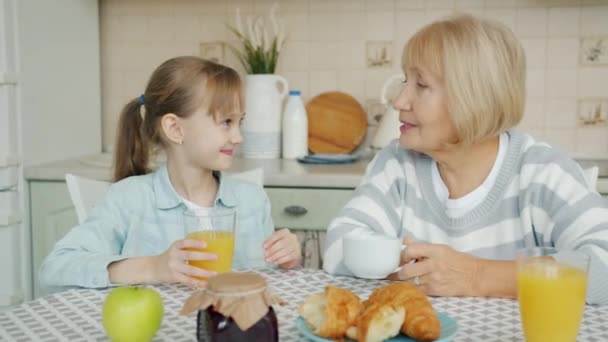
(380, 25)
(534, 115)
(531, 22)
(298, 80)
(352, 25)
(409, 5)
(440, 4)
(323, 27)
(296, 25)
(593, 82)
(561, 83)
(323, 55)
(352, 5)
(592, 142)
(374, 81)
(536, 52)
(351, 54)
(562, 52)
(245, 6)
(562, 139)
(560, 113)
(500, 3)
(134, 28)
(294, 57)
(437, 14)
(324, 6)
(380, 5)
(594, 20)
(352, 81)
(407, 23)
(321, 81)
(505, 16)
(294, 6)
(564, 21)
(469, 4)
(535, 82)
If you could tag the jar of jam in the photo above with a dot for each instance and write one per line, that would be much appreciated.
(235, 307)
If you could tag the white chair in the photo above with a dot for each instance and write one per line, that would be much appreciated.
(86, 192)
(591, 175)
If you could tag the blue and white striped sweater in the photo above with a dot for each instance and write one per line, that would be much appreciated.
(540, 198)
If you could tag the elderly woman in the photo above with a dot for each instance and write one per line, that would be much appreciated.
(461, 187)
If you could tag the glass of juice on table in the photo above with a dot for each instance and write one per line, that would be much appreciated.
(217, 227)
(551, 290)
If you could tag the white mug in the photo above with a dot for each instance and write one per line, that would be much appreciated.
(372, 256)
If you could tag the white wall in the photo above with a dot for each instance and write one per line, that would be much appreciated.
(59, 79)
(326, 50)
(49, 110)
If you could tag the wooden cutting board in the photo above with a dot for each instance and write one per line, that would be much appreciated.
(337, 123)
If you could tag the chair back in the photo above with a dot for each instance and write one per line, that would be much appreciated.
(85, 193)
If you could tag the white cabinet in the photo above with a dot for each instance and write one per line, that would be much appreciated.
(49, 109)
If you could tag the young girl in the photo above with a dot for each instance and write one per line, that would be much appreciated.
(192, 108)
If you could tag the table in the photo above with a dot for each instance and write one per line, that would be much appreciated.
(75, 315)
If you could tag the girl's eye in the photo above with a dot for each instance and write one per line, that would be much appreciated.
(421, 85)
(241, 121)
(227, 122)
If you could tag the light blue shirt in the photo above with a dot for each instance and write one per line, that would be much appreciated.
(143, 216)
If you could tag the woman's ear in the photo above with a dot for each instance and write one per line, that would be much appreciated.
(171, 126)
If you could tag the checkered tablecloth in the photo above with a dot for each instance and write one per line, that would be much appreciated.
(75, 315)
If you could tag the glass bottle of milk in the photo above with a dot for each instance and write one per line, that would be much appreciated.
(295, 127)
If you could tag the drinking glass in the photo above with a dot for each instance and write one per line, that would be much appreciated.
(551, 290)
(217, 227)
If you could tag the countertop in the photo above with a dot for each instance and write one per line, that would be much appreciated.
(277, 172)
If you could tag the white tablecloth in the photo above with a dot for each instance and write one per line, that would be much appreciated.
(75, 315)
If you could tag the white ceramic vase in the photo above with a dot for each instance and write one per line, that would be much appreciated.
(264, 95)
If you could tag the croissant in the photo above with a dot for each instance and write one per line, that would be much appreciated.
(377, 322)
(330, 313)
(421, 322)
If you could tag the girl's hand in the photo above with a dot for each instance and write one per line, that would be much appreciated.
(283, 249)
(172, 265)
(439, 270)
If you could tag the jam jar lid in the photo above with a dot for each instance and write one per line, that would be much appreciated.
(242, 296)
(233, 282)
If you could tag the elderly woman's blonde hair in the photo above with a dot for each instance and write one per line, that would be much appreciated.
(483, 67)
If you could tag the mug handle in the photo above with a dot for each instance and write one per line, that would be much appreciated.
(285, 84)
(403, 247)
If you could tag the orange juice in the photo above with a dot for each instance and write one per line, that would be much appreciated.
(219, 243)
(552, 300)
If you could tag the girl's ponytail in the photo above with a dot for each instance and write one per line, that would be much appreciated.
(131, 152)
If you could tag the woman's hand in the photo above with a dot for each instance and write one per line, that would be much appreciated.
(172, 265)
(439, 270)
(283, 248)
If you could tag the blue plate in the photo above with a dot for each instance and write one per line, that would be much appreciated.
(449, 329)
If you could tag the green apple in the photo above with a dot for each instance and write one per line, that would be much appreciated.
(132, 314)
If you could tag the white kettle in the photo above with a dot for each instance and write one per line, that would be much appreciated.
(388, 128)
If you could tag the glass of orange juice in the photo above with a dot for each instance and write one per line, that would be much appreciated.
(551, 290)
(217, 227)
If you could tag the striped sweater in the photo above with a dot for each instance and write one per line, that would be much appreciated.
(540, 198)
